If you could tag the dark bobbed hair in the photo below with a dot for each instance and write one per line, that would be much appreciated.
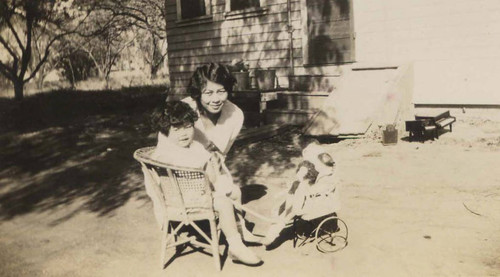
(172, 113)
(215, 72)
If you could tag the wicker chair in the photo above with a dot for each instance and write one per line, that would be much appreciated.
(186, 198)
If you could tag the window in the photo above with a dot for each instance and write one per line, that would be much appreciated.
(190, 9)
(243, 4)
(238, 9)
(328, 32)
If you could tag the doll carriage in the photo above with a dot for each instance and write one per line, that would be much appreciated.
(317, 222)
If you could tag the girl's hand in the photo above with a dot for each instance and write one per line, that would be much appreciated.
(235, 194)
(211, 147)
(301, 173)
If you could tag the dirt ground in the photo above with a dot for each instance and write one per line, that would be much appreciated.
(73, 204)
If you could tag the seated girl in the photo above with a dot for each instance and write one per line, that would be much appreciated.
(174, 122)
(313, 192)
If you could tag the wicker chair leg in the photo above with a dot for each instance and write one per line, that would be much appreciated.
(215, 244)
(294, 227)
(164, 236)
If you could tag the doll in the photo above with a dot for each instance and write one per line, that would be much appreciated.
(314, 178)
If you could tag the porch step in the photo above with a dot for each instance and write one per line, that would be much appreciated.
(292, 116)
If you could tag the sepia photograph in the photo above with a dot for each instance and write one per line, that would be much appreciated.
(249, 138)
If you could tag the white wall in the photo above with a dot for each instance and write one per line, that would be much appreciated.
(421, 30)
(454, 44)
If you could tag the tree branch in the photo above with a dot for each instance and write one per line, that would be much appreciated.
(97, 65)
(127, 11)
(47, 48)
(6, 45)
(160, 8)
(46, 55)
(6, 71)
(26, 56)
(9, 24)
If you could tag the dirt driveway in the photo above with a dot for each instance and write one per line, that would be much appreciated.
(413, 209)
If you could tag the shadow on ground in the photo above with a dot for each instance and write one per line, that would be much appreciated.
(251, 192)
(88, 161)
(270, 158)
(67, 147)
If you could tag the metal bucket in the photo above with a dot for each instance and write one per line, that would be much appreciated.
(266, 79)
(242, 81)
(390, 135)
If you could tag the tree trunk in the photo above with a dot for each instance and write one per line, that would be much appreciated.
(41, 77)
(72, 81)
(18, 90)
(154, 71)
(106, 79)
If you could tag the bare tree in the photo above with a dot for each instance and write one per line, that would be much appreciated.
(74, 63)
(110, 39)
(152, 49)
(21, 22)
(53, 61)
(146, 15)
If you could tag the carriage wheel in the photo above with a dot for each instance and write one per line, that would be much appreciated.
(331, 235)
(303, 231)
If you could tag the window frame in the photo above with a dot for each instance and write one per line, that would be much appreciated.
(244, 13)
(207, 17)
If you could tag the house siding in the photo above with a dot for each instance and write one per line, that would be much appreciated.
(261, 40)
(448, 41)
